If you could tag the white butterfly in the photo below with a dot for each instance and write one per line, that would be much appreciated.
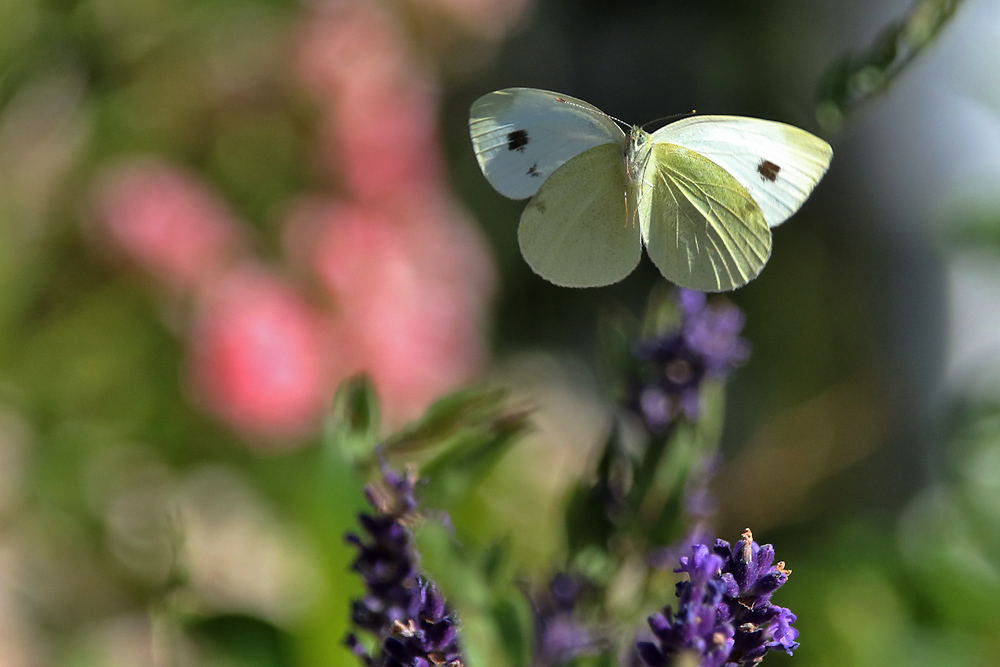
(704, 190)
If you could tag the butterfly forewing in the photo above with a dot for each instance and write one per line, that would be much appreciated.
(701, 227)
(574, 232)
(522, 135)
(778, 164)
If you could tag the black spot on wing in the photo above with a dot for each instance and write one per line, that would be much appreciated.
(517, 140)
(768, 170)
(533, 170)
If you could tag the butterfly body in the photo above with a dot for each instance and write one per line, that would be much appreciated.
(700, 194)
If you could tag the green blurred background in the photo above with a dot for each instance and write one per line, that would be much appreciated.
(214, 211)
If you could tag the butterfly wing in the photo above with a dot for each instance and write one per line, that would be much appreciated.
(778, 164)
(522, 135)
(574, 231)
(700, 226)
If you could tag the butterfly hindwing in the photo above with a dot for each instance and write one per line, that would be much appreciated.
(522, 135)
(778, 164)
(700, 226)
(574, 232)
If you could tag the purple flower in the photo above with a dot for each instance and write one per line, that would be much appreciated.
(428, 639)
(751, 577)
(673, 365)
(559, 636)
(697, 626)
(386, 560)
(405, 612)
(724, 615)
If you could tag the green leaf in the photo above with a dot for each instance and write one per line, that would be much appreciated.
(495, 560)
(465, 434)
(855, 79)
(243, 640)
(512, 618)
(446, 417)
(471, 454)
(588, 513)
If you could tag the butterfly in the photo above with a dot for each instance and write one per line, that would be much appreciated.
(701, 194)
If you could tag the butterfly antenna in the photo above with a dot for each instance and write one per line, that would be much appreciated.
(590, 109)
(670, 119)
(619, 121)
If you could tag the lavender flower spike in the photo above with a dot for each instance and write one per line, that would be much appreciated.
(428, 640)
(724, 615)
(386, 560)
(403, 610)
(750, 580)
(674, 364)
(560, 636)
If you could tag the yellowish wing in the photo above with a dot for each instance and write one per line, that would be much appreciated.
(701, 228)
(778, 164)
(574, 231)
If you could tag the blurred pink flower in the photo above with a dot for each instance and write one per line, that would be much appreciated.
(379, 111)
(412, 282)
(258, 356)
(387, 144)
(346, 46)
(167, 221)
(408, 275)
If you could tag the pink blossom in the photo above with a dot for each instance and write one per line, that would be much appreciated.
(387, 143)
(257, 356)
(167, 221)
(411, 281)
(346, 46)
(407, 277)
(378, 110)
